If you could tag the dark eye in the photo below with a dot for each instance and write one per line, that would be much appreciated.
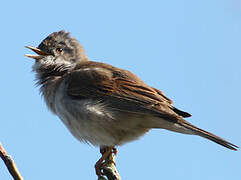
(59, 50)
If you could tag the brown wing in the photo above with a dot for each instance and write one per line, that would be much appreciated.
(178, 111)
(121, 90)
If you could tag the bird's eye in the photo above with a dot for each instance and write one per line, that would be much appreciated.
(59, 50)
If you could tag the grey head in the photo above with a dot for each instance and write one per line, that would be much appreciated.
(56, 54)
(58, 49)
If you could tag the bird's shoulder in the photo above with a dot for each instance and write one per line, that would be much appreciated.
(103, 70)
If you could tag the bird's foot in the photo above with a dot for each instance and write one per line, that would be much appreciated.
(105, 159)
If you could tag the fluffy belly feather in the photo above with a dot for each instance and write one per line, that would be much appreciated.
(91, 121)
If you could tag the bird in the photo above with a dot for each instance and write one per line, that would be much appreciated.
(101, 104)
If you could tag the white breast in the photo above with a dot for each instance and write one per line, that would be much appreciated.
(86, 119)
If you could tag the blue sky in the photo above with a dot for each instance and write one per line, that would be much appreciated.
(189, 49)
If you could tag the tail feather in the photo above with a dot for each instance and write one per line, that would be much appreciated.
(208, 135)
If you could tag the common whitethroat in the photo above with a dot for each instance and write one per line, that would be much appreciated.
(101, 104)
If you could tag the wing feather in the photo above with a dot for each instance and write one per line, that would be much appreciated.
(120, 89)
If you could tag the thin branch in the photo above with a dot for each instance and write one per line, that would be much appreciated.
(10, 164)
(109, 170)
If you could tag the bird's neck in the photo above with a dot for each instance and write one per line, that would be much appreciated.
(49, 78)
(47, 74)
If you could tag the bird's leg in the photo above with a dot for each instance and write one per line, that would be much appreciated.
(105, 151)
(110, 159)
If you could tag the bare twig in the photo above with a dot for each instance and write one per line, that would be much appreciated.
(109, 169)
(10, 164)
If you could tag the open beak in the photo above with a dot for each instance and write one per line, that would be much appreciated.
(40, 53)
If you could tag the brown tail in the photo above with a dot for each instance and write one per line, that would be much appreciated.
(208, 135)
